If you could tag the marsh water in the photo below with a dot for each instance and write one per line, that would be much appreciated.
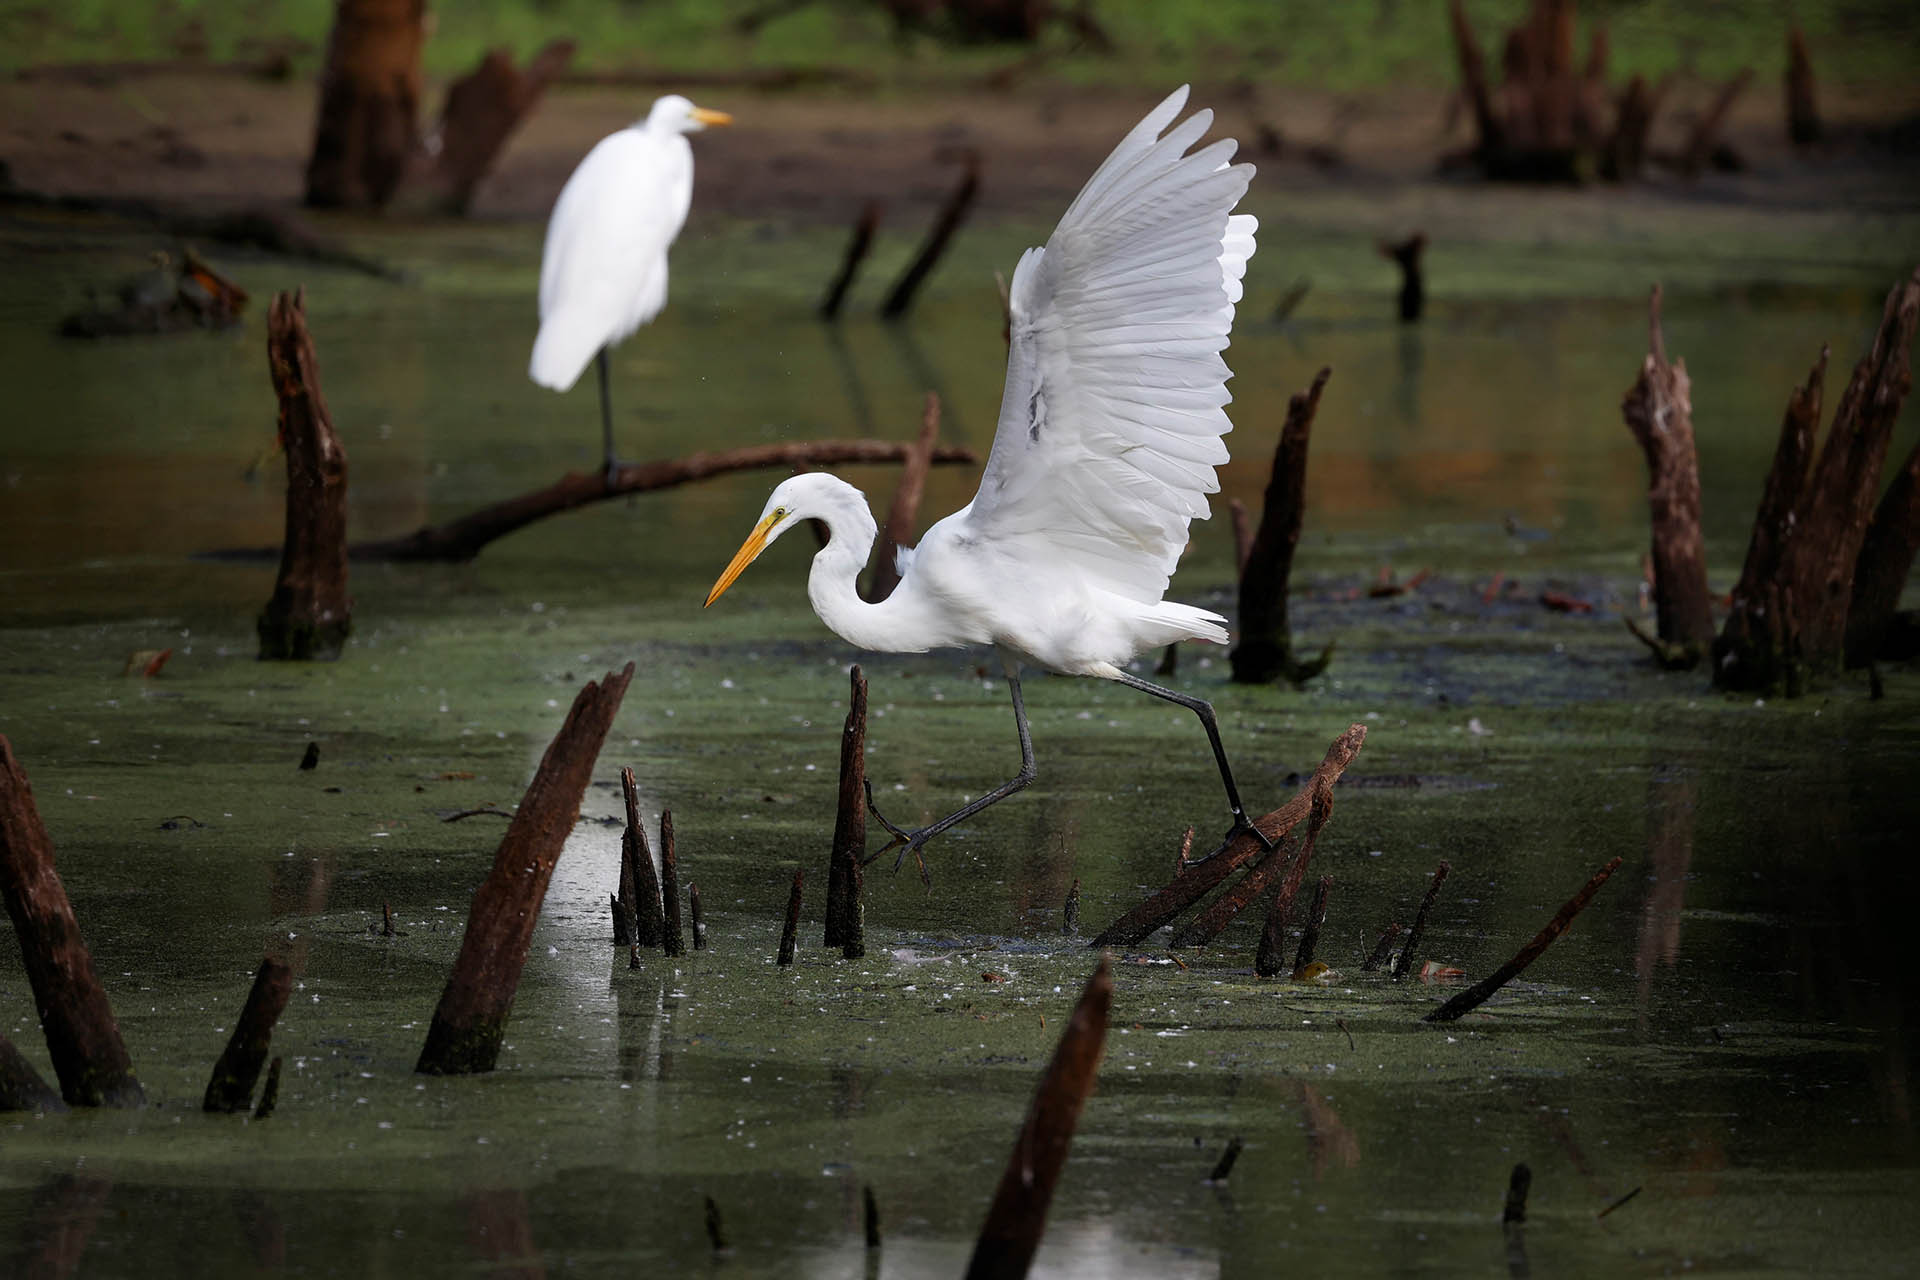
(1729, 1027)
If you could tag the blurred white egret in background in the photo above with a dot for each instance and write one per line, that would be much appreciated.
(604, 271)
(1110, 430)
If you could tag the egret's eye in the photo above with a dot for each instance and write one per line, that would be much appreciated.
(779, 513)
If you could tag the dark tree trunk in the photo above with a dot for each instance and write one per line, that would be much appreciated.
(472, 1016)
(482, 110)
(1659, 413)
(1803, 113)
(369, 98)
(82, 1038)
(846, 926)
(310, 613)
(1265, 651)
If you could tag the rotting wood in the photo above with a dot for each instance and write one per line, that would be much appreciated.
(461, 540)
(89, 1058)
(952, 214)
(672, 941)
(790, 933)
(898, 530)
(1405, 962)
(845, 913)
(364, 130)
(1478, 993)
(1310, 937)
(870, 1215)
(1270, 956)
(234, 1075)
(1658, 410)
(1018, 1217)
(1803, 112)
(1382, 949)
(481, 111)
(1786, 631)
(1193, 882)
(1288, 861)
(1070, 913)
(1265, 650)
(1624, 155)
(310, 613)
(21, 1087)
(858, 246)
(649, 916)
(471, 1018)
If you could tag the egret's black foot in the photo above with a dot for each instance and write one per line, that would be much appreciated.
(902, 839)
(1242, 826)
(610, 470)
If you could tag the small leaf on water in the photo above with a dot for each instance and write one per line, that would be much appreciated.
(146, 662)
(1433, 971)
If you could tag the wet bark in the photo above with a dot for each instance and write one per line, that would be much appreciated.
(1788, 626)
(672, 940)
(82, 1038)
(1018, 1217)
(1886, 561)
(369, 99)
(846, 923)
(1265, 650)
(1288, 862)
(898, 530)
(482, 110)
(645, 914)
(472, 1016)
(309, 614)
(234, 1075)
(1659, 413)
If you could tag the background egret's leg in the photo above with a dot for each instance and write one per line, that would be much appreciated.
(606, 416)
(908, 840)
(1204, 709)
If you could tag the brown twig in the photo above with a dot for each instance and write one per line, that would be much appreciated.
(1316, 919)
(857, 249)
(1018, 1216)
(1479, 992)
(1405, 962)
(471, 1018)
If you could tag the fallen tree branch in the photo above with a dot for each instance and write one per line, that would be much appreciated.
(1478, 993)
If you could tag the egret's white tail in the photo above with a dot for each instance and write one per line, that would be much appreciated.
(561, 352)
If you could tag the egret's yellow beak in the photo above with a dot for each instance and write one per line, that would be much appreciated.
(708, 116)
(756, 543)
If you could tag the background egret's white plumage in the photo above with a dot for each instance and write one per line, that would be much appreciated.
(603, 273)
(1110, 430)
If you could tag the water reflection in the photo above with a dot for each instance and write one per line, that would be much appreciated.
(61, 1220)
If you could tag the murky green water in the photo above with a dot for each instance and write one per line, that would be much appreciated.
(1730, 1026)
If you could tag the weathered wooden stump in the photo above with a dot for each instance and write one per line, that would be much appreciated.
(364, 132)
(1265, 650)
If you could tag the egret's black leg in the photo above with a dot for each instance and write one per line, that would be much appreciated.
(1204, 709)
(611, 463)
(906, 840)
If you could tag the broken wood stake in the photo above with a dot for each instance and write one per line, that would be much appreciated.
(309, 614)
(1478, 993)
(1265, 650)
(1316, 919)
(1269, 958)
(1018, 1216)
(952, 214)
(471, 1018)
(269, 1092)
(1223, 1167)
(1070, 914)
(636, 866)
(791, 932)
(857, 248)
(672, 941)
(1518, 1184)
(481, 111)
(231, 1087)
(846, 918)
(89, 1058)
(1383, 949)
(1405, 961)
(622, 934)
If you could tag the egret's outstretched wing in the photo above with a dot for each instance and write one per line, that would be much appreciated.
(1111, 421)
(602, 274)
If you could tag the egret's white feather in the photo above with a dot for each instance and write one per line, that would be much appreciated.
(1111, 423)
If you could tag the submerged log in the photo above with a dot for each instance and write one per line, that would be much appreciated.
(461, 540)
(846, 923)
(83, 1040)
(364, 131)
(231, 1087)
(1193, 882)
(310, 613)
(472, 1016)
(1787, 629)
(1265, 651)
(1659, 412)
(1018, 1216)
(898, 530)
(482, 110)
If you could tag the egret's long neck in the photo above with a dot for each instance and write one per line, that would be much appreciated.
(832, 586)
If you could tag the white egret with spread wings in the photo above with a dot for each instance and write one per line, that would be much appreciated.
(603, 272)
(1110, 430)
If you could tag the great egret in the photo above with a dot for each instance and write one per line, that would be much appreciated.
(1110, 428)
(604, 271)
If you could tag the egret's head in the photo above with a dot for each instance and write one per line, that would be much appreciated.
(787, 506)
(675, 114)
